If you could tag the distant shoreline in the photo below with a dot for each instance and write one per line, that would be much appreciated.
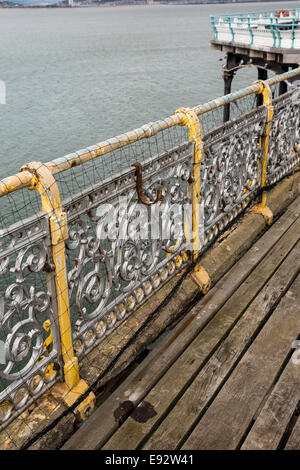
(14, 6)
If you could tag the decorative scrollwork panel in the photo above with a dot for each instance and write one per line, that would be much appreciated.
(27, 312)
(284, 146)
(231, 169)
(119, 250)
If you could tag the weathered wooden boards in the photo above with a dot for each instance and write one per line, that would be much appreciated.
(227, 341)
(205, 362)
(294, 441)
(230, 416)
(277, 412)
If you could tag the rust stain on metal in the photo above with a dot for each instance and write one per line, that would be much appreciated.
(122, 412)
(139, 187)
(143, 412)
(31, 170)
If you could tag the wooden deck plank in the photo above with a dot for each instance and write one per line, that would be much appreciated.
(179, 376)
(201, 392)
(293, 442)
(277, 412)
(102, 423)
(228, 418)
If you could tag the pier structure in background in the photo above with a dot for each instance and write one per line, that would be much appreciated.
(266, 40)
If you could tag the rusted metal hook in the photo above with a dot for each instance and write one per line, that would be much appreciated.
(139, 187)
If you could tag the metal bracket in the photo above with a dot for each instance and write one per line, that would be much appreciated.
(69, 397)
(264, 211)
(202, 279)
(139, 187)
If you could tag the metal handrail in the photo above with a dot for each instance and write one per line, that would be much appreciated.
(258, 14)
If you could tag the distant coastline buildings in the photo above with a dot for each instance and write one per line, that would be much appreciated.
(85, 3)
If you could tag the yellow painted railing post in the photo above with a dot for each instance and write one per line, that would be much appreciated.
(44, 182)
(200, 275)
(262, 207)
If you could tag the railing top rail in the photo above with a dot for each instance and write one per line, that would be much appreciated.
(114, 143)
(257, 14)
(261, 21)
(236, 95)
(24, 178)
(284, 76)
(13, 183)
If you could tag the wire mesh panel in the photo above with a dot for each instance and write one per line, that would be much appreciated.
(114, 161)
(215, 118)
(120, 250)
(29, 345)
(284, 146)
(231, 169)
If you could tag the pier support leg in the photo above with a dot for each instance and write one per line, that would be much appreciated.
(227, 77)
(283, 85)
(262, 74)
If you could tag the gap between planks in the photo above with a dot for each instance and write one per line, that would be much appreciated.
(232, 411)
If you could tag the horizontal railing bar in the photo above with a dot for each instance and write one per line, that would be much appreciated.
(236, 95)
(244, 21)
(222, 100)
(255, 14)
(284, 76)
(24, 178)
(78, 158)
(82, 156)
(13, 183)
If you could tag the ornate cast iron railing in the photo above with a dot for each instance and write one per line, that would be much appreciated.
(231, 168)
(284, 136)
(27, 310)
(70, 273)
